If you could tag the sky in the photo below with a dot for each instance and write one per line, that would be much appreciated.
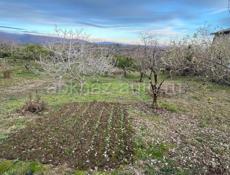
(114, 20)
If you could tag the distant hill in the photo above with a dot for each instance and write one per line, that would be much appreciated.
(106, 43)
(28, 38)
(40, 39)
(25, 38)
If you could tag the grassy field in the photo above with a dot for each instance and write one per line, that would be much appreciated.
(120, 132)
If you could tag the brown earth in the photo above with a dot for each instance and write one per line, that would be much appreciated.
(81, 135)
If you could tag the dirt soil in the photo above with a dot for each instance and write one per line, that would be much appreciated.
(82, 135)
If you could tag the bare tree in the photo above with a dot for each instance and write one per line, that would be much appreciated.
(141, 61)
(219, 69)
(73, 57)
(199, 55)
(152, 54)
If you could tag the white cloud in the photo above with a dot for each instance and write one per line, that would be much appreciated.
(218, 11)
(167, 31)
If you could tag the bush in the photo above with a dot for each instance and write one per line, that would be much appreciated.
(33, 106)
(5, 50)
(124, 63)
(34, 52)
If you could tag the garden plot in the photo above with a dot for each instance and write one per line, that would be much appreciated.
(81, 135)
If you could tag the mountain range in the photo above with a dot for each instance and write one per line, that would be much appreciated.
(25, 38)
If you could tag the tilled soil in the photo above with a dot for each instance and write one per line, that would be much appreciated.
(81, 135)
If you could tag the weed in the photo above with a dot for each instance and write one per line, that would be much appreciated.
(169, 106)
(150, 151)
(5, 165)
(8, 167)
(78, 172)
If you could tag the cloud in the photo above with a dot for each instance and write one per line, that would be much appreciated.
(122, 17)
(9, 27)
(218, 11)
(94, 13)
(208, 3)
(168, 31)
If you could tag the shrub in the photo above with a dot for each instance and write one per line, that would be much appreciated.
(33, 106)
(124, 63)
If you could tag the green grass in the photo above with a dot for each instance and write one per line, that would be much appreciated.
(19, 74)
(150, 151)
(103, 89)
(3, 136)
(169, 106)
(8, 167)
(157, 152)
(12, 105)
(25, 74)
(78, 172)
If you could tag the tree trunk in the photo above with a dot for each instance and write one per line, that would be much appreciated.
(155, 88)
(141, 76)
(154, 104)
(125, 73)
